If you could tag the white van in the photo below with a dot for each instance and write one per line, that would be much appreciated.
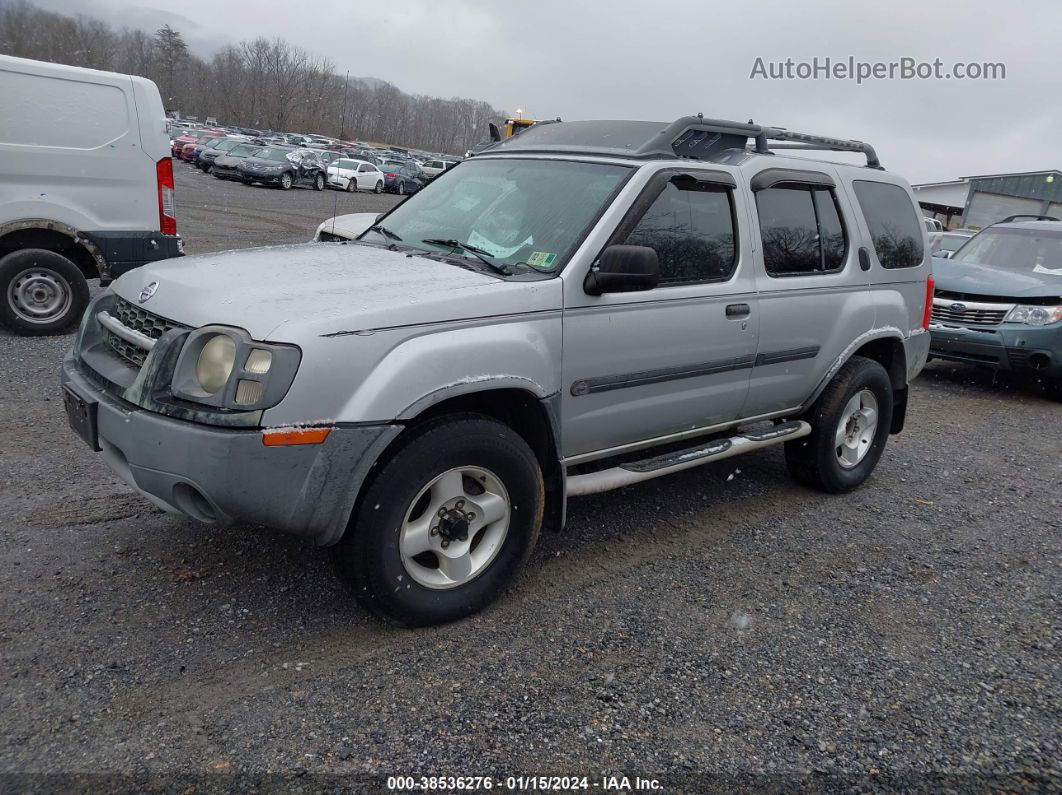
(86, 188)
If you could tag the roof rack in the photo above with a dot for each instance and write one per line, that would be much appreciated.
(695, 136)
(689, 137)
(1012, 218)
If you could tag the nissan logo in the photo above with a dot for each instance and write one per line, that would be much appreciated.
(148, 291)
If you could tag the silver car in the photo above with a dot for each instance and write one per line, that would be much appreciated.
(580, 308)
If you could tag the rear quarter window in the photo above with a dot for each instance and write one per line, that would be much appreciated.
(894, 225)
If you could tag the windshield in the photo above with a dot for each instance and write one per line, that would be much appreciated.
(244, 149)
(273, 154)
(1019, 250)
(531, 212)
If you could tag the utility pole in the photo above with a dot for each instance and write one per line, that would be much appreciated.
(346, 104)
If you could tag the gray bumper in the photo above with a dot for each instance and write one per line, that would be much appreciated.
(228, 475)
(1017, 348)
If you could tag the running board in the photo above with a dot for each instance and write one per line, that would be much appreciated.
(716, 450)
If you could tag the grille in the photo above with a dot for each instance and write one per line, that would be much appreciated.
(136, 319)
(969, 314)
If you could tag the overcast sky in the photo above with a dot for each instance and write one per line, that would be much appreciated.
(642, 59)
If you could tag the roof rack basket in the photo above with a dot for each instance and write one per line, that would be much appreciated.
(698, 137)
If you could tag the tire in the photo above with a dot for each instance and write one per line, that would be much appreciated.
(379, 188)
(401, 189)
(373, 560)
(41, 293)
(319, 182)
(815, 460)
(286, 181)
(208, 168)
(352, 185)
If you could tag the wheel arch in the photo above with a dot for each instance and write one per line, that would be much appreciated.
(886, 347)
(58, 237)
(534, 418)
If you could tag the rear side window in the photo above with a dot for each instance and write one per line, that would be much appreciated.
(801, 230)
(690, 225)
(894, 225)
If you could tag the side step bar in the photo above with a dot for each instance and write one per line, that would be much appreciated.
(716, 450)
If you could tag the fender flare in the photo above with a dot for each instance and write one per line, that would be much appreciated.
(885, 332)
(55, 226)
(471, 386)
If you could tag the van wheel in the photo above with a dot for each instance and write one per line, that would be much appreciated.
(286, 181)
(42, 292)
(446, 524)
(378, 188)
(318, 182)
(850, 425)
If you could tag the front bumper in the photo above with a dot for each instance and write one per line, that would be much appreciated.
(264, 178)
(1007, 347)
(228, 475)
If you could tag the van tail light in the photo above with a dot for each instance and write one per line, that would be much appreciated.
(928, 311)
(167, 197)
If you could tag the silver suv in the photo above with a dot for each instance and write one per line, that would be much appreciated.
(579, 308)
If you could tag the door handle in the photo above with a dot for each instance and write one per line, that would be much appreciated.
(738, 311)
(864, 259)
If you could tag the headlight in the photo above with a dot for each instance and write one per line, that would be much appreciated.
(223, 367)
(1034, 315)
(215, 363)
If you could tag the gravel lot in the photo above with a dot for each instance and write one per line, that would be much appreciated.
(719, 628)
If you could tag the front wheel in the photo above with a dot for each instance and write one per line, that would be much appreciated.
(41, 292)
(850, 424)
(446, 524)
(286, 181)
(352, 185)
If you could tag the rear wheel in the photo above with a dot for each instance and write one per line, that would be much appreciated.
(379, 188)
(447, 523)
(319, 182)
(401, 189)
(42, 292)
(850, 424)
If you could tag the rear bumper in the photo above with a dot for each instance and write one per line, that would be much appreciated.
(1008, 347)
(227, 475)
(125, 251)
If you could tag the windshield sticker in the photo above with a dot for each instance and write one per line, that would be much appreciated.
(541, 259)
(495, 249)
(1049, 271)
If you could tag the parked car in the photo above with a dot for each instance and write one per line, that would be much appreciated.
(212, 151)
(433, 168)
(944, 244)
(199, 139)
(226, 165)
(353, 175)
(86, 188)
(402, 179)
(341, 228)
(182, 140)
(414, 406)
(998, 300)
(285, 167)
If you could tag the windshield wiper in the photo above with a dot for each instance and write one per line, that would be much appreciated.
(383, 230)
(479, 253)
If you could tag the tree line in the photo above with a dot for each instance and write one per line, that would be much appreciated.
(265, 84)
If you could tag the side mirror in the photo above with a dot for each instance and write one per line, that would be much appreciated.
(944, 254)
(623, 269)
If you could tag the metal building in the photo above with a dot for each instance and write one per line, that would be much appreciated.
(978, 201)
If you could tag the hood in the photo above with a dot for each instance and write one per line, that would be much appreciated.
(961, 277)
(349, 226)
(282, 293)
